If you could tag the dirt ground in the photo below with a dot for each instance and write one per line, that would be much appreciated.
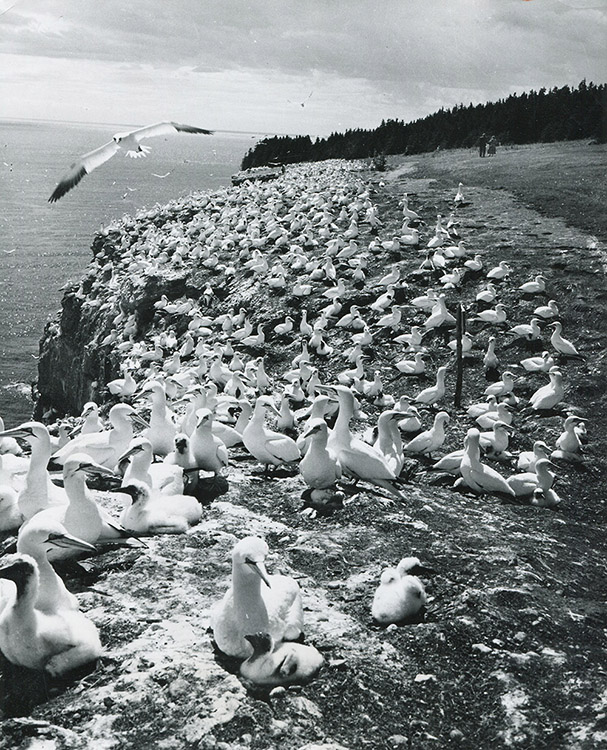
(511, 649)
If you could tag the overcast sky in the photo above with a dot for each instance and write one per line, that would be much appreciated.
(241, 65)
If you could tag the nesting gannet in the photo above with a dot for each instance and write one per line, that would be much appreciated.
(487, 295)
(429, 440)
(495, 441)
(536, 286)
(208, 450)
(247, 608)
(482, 407)
(502, 413)
(527, 459)
(36, 541)
(568, 444)
(476, 475)
(425, 301)
(10, 515)
(434, 393)
(129, 142)
(38, 491)
(562, 345)
(415, 366)
(265, 445)
(493, 316)
(548, 396)
(527, 482)
(547, 311)
(154, 513)
(357, 459)
(274, 664)
(319, 469)
(530, 331)
(450, 462)
(82, 517)
(90, 415)
(499, 272)
(8, 444)
(107, 446)
(163, 477)
(538, 364)
(56, 643)
(399, 596)
(501, 387)
(439, 315)
(123, 387)
(545, 498)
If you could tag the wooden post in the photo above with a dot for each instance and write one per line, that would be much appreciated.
(459, 359)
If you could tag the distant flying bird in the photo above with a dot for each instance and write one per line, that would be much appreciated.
(129, 142)
(161, 176)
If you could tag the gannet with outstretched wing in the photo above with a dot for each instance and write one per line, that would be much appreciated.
(129, 142)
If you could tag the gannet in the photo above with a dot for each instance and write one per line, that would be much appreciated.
(459, 196)
(10, 515)
(501, 387)
(439, 315)
(163, 477)
(162, 429)
(487, 295)
(154, 513)
(545, 498)
(433, 393)
(538, 364)
(530, 331)
(247, 608)
(129, 142)
(527, 459)
(568, 444)
(429, 440)
(502, 413)
(107, 446)
(410, 423)
(415, 366)
(500, 271)
(357, 459)
(476, 475)
(547, 311)
(536, 286)
(56, 643)
(265, 445)
(467, 341)
(319, 469)
(526, 483)
(562, 345)
(450, 462)
(493, 316)
(389, 442)
(490, 360)
(273, 664)
(548, 396)
(37, 540)
(8, 444)
(399, 596)
(82, 517)
(38, 491)
(425, 301)
(495, 441)
(413, 339)
(208, 450)
(90, 415)
(123, 387)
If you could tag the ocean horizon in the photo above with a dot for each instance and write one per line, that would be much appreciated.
(45, 246)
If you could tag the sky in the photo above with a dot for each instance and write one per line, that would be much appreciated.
(287, 66)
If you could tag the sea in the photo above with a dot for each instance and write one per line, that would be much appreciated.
(44, 246)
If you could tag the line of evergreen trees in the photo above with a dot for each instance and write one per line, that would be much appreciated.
(561, 114)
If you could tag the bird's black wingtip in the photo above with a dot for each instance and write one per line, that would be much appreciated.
(66, 185)
(191, 129)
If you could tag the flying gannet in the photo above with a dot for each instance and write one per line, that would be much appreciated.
(129, 142)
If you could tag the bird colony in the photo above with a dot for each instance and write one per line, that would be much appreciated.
(360, 408)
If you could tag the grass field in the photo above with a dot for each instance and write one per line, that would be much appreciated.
(557, 179)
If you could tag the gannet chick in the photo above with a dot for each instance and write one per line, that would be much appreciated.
(247, 608)
(208, 450)
(267, 446)
(273, 664)
(158, 514)
(562, 345)
(545, 498)
(429, 440)
(56, 643)
(400, 596)
(36, 541)
(476, 475)
(319, 469)
(548, 396)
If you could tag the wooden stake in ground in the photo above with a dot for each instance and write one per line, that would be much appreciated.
(459, 359)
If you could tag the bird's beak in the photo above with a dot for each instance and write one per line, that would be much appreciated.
(67, 541)
(261, 571)
(137, 420)
(94, 469)
(129, 452)
(21, 432)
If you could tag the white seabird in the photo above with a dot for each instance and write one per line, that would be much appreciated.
(129, 142)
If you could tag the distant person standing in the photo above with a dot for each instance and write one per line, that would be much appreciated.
(482, 144)
(491, 146)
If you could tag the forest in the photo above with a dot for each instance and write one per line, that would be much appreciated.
(558, 114)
